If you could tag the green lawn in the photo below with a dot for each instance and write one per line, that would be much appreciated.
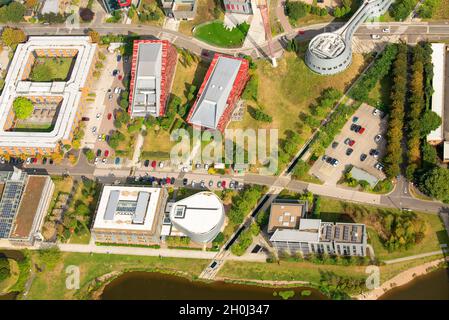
(50, 284)
(33, 127)
(333, 210)
(215, 33)
(51, 69)
(206, 10)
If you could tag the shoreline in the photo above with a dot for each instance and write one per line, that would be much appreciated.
(401, 279)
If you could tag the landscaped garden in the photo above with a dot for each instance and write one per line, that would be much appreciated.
(215, 33)
(206, 10)
(47, 69)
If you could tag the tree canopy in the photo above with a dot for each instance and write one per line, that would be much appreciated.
(434, 183)
(11, 37)
(23, 108)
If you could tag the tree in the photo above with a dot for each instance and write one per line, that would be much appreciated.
(86, 14)
(23, 108)
(296, 10)
(301, 169)
(95, 37)
(12, 12)
(429, 122)
(12, 37)
(435, 183)
(4, 268)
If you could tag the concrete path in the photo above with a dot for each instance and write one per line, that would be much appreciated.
(283, 19)
(414, 257)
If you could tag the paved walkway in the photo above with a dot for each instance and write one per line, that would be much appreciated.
(416, 256)
(283, 19)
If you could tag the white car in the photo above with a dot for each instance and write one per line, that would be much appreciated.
(96, 160)
(94, 129)
(28, 161)
(386, 30)
(2, 160)
(206, 166)
(375, 37)
(377, 138)
(376, 112)
(104, 160)
(100, 137)
(98, 115)
(161, 164)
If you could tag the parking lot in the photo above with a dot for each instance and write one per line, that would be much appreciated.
(363, 144)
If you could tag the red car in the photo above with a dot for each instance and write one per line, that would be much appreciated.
(120, 77)
(109, 116)
(362, 130)
(301, 32)
(223, 184)
(106, 153)
(168, 180)
(34, 160)
(153, 164)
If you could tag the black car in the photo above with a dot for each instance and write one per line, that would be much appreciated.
(353, 127)
(334, 144)
(98, 152)
(363, 157)
(51, 161)
(357, 128)
(146, 163)
(44, 161)
(374, 153)
(172, 180)
(119, 57)
(329, 159)
(184, 181)
(349, 151)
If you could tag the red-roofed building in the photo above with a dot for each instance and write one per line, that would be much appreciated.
(223, 85)
(152, 71)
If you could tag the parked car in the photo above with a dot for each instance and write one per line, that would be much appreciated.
(211, 183)
(94, 129)
(28, 161)
(146, 163)
(119, 58)
(349, 142)
(375, 36)
(206, 166)
(325, 157)
(44, 161)
(172, 180)
(85, 119)
(161, 164)
(104, 160)
(378, 138)
(335, 162)
(114, 73)
(98, 152)
(193, 184)
(100, 137)
(349, 151)
(106, 153)
(363, 157)
(376, 112)
(34, 160)
(184, 181)
(120, 77)
(96, 160)
(386, 30)
(353, 127)
(379, 166)
(219, 184)
(51, 161)
(202, 184)
(231, 185)
(117, 161)
(334, 145)
(223, 184)
(109, 116)
(153, 164)
(168, 180)
(361, 130)
(355, 119)
(329, 160)
(98, 115)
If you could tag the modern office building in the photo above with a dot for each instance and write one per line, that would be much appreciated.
(238, 6)
(152, 71)
(58, 103)
(199, 217)
(180, 9)
(217, 97)
(315, 236)
(331, 52)
(286, 214)
(129, 215)
(24, 203)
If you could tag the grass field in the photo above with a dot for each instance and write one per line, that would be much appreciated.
(206, 10)
(306, 271)
(310, 19)
(6, 284)
(157, 145)
(441, 12)
(51, 69)
(333, 210)
(287, 91)
(33, 127)
(51, 284)
(216, 34)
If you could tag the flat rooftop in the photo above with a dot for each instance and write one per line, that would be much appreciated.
(327, 45)
(70, 91)
(147, 88)
(127, 208)
(213, 100)
(286, 214)
(438, 61)
(31, 197)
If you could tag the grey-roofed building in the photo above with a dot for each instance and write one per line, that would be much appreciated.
(222, 86)
(180, 9)
(147, 88)
(315, 236)
(360, 175)
(152, 70)
(129, 215)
